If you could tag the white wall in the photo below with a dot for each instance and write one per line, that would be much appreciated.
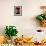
(26, 24)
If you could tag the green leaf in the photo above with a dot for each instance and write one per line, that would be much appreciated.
(10, 31)
(45, 16)
(40, 18)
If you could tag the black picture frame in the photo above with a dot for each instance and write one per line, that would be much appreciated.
(17, 10)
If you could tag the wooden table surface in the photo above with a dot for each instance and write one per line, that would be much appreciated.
(30, 45)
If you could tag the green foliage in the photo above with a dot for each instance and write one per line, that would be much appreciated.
(11, 31)
(41, 17)
(45, 17)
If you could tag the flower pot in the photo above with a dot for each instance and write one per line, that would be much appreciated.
(43, 23)
(13, 38)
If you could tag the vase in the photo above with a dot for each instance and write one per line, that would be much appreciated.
(13, 38)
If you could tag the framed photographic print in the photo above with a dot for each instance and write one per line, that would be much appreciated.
(17, 10)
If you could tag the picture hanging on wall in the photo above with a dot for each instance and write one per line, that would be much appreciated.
(17, 10)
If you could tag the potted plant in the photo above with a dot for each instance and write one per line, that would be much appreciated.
(10, 31)
(42, 17)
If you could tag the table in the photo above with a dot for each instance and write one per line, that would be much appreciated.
(25, 44)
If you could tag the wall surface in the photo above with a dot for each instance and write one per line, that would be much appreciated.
(26, 24)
